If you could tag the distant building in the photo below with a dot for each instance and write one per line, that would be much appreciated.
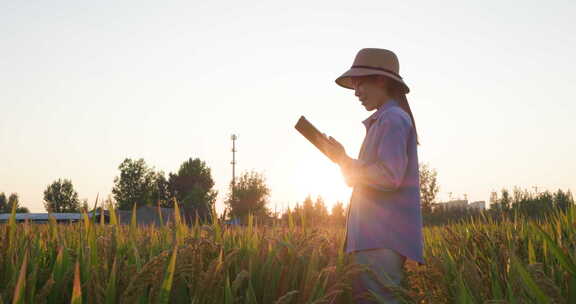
(145, 215)
(43, 217)
(233, 222)
(462, 204)
(480, 205)
(456, 204)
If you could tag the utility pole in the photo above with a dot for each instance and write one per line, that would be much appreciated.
(234, 138)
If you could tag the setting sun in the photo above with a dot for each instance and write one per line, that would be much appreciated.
(323, 178)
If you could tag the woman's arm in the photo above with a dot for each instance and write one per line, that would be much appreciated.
(387, 172)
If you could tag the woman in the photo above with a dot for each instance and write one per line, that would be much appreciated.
(384, 223)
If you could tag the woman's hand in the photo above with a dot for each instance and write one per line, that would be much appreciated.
(336, 151)
(348, 166)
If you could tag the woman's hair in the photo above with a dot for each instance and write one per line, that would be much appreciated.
(396, 91)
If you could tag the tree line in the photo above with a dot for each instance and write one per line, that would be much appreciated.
(10, 202)
(314, 212)
(139, 184)
(507, 205)
(529, 204)
(192, 187)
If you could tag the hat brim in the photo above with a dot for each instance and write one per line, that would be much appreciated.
(345, 80)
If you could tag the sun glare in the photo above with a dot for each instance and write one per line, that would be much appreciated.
(323, 179)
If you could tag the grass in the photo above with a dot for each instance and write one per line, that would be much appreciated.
(480, 261)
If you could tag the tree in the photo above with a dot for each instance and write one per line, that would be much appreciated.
(249, 196)
(308, 210)
(193, 187)
(22, 209)
(139, 184)
(505, 200)
(338, 216)
(493, 198)
(320, 211)
(84, 205)
(6, 204)
(3, 203)
(428, 187)
(160, 190)
(60, 196)
(13, 200)
(563, 200)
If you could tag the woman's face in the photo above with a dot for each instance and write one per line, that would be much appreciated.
(370, 90)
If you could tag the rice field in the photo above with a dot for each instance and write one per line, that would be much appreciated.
(516, 261)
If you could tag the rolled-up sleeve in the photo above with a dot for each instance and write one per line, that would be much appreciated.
(388, 171)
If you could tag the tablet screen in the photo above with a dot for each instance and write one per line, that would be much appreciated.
(312, 134)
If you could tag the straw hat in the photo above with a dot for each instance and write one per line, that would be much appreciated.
(372, 61)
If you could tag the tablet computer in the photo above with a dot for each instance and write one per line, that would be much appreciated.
(317, 138)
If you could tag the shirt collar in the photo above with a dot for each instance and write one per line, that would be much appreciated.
(387, 105)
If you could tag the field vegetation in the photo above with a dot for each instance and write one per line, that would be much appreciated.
(481, 260)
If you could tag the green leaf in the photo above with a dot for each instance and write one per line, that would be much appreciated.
(58, 275)
(287, 297)
(31, 294)
(564, 260)
(228, 296)
(94, 209)
(12, 229)
(164, 296)
(160, 215)
(113, 218)
(86, 221)
(530, 286)
(250, 294)
(133, 222)
(531, 253)
(77, 289)
(111, 286)
(21, 284)
(572, 290)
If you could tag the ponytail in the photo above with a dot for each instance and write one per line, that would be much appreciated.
(396, 91)
(403, 101)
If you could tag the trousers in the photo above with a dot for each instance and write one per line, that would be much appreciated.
(387, 265)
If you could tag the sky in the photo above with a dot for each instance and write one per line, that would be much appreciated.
(86, 84)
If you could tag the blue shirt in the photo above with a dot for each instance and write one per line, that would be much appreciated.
(384, 210)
